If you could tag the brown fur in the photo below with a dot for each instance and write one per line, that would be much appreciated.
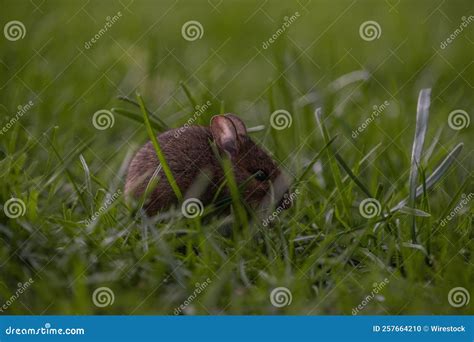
(188, 153)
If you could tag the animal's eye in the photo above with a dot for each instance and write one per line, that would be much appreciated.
(261, 175)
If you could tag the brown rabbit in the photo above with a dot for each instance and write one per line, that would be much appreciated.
(189, 154)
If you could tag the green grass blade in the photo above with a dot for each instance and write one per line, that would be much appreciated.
(441, 169)
(435, 176)
(88, 179)
(230, 182)
(69, 175)
(422, 114)
(255, 129)
(154, 118)
(429, 151)
(188, 94)
(359, 163)
(234, 193)
(414, 212)
(65, 164)
(159, 152)
(332, 164)
(151, 186)
(308, 168)
(352, 175)
(138, 118)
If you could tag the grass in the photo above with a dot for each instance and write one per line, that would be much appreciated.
(322, 249)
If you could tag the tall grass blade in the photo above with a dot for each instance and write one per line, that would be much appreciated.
(333, 165)
(188, 94)
(138, 118)
(422, 113)
(414, 212)
(159, 152)
(154, 118)
(69, 175)
(352, 175)
(359, 163)
(314, 160)
(87, 173)
(151, 186)
(434, 177)
(429, 151)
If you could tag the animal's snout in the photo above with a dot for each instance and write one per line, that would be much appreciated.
(283, 187)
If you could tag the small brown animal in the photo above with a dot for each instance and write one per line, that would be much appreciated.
(189, 154)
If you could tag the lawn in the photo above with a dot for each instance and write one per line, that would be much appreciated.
(352, 86)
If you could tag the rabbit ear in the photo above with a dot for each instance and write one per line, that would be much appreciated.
(224, 133)
(238, 123)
